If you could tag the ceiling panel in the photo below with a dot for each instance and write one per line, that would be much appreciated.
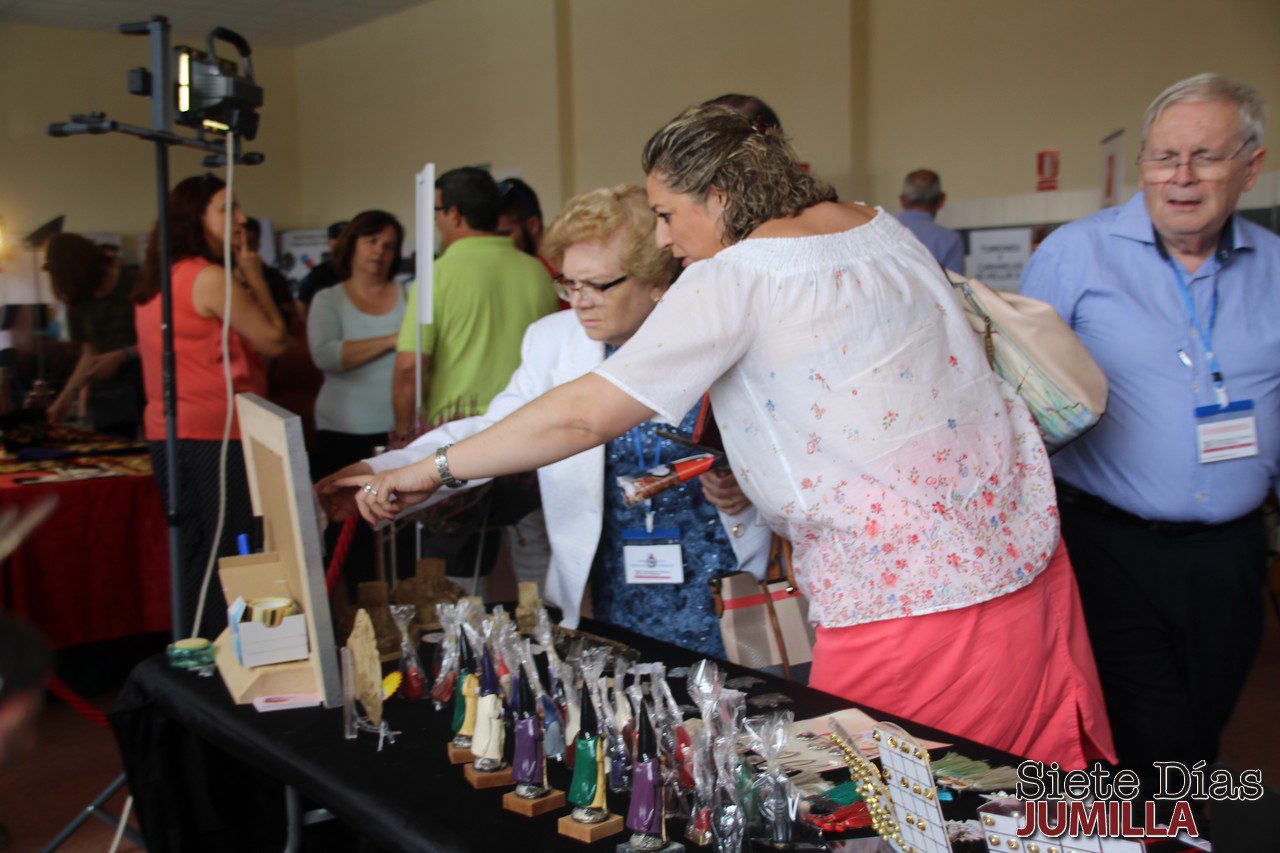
(266, 22)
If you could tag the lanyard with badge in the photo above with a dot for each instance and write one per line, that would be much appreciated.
(651, 554)
(1226, 429)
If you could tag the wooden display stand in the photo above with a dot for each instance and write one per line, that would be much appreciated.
(460, 755)
(496, 779)
(513, 802)
(589, 833)
(280, 488)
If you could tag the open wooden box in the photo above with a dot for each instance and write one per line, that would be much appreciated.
(290, 565)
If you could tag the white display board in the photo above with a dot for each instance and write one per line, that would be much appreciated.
(997, 256)
(300, 251)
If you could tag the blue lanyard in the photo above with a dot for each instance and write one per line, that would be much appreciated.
(1205, 334)
(634, 432)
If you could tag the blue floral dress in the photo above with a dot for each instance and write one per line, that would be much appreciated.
(683, 614)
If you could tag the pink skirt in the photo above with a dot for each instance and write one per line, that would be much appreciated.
(1016, 672)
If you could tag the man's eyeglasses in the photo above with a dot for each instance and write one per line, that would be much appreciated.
(1205, 167)
(567, 287)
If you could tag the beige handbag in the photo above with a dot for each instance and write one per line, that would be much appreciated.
(765, 623)
(1037, 353)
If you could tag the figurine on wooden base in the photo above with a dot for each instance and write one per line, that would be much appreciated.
(489, 733)
(464, 700)
(587, 790)
(646, 818)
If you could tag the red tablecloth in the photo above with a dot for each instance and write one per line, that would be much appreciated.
(98, 568)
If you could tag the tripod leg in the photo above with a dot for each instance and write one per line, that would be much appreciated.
(91, 810)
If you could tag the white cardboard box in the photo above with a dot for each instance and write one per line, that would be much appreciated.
(260, 645)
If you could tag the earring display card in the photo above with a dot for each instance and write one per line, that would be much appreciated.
(907, 775)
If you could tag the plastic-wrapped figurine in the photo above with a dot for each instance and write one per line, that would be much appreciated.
(587, 791)
(414, 684)
(646, 818)
(489, 734)
(464, 700)
(779, 799)
(529, 766)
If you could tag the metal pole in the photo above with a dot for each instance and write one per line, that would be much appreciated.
(160, 117)
(169, 379)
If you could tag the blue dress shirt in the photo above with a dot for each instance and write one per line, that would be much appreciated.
(1106, 276)
(944, 244)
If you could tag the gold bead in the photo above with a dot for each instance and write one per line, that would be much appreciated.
(917, 752)
(928, 793)
(875, 735)
(1032, 847)
(905, 749)
(994, 839)
(1013, 843)
(915, 789)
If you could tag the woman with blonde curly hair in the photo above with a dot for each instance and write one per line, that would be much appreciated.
(614, 274)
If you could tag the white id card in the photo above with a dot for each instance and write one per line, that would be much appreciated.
(653, 562)
(1226, 432)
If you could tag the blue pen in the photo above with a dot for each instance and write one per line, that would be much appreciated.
(242, 544)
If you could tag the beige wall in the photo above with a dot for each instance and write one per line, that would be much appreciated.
(455, 82)
(637, 64)
(568, 90)
(107, 183)
(974, 89)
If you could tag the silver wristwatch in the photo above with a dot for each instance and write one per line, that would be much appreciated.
(442, 468)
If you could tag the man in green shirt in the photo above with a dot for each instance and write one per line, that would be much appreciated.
(486, 293)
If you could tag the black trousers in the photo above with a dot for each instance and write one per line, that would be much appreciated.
(1175, 618)
(198, 514)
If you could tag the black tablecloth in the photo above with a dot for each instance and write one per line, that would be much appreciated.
(205, 773)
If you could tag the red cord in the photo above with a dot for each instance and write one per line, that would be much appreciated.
(76, 702)
(334, 574)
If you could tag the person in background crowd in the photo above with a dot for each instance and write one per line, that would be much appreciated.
(922, 197)
(197, 227)
(293, 381)
(1175, 297)
(614, 276)
(352, 330)
(486, 293)
(520, 218)
(866, 425)
(276, 282)
(100, 319)
(323, 274)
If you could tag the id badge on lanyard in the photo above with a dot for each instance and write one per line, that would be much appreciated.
(1227, 429)
(653, 556)
(1226, 432)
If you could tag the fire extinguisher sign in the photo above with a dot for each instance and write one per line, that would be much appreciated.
(1047, 169)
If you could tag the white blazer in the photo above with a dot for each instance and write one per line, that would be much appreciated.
(556, 350)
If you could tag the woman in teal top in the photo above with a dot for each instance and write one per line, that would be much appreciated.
(352, 329)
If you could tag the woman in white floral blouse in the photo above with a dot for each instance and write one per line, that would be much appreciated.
(864, 422)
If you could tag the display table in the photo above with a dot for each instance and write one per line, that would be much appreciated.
(98, 568)
(200, 769)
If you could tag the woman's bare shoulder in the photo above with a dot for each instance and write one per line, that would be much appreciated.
(827, 217)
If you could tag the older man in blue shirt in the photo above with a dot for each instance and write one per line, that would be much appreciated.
(1178, 299)
(921, 199)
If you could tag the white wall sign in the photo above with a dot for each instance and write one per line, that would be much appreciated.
(300, 251)
(997, 256)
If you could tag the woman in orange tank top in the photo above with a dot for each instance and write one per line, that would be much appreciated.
(197, 225)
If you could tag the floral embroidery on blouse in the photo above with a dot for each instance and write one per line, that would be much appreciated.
(908, 476)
